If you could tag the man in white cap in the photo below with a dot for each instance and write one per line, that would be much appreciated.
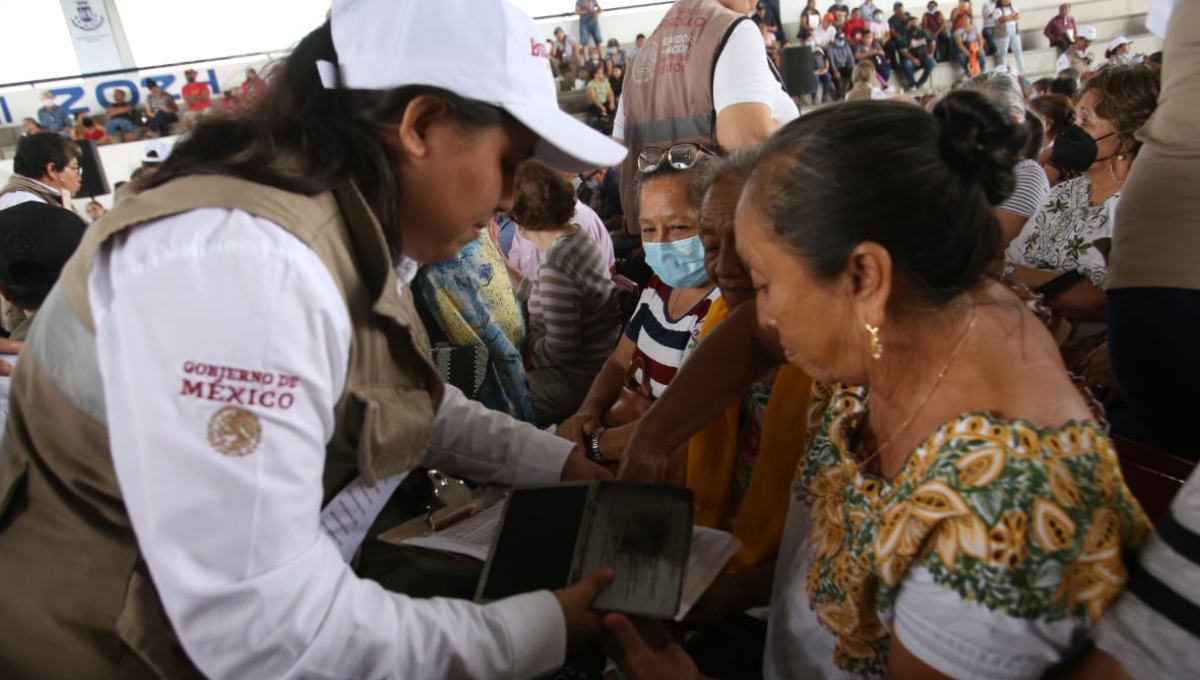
(230, 379)
(1079, 55)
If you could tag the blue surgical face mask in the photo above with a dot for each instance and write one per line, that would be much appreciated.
(680, 264)
(612, 51)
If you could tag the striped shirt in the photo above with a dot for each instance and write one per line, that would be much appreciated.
(1154, 628)
(1031, 190)
(574, 316)
(662, 341)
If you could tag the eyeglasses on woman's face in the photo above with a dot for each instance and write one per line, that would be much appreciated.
(679, 156)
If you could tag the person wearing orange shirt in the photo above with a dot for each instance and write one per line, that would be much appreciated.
(197, 96)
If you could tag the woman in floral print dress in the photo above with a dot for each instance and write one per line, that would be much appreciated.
(959, 512)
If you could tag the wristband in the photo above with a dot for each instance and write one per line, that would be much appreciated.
(593, 445)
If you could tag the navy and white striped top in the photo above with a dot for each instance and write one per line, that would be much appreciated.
(664, 341)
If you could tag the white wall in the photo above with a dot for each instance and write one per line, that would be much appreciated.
(35, 43)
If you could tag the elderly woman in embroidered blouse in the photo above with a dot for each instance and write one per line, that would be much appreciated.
(958, 512)
(1063, 250)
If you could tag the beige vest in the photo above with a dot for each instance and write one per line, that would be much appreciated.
(1082, 64)
(668, 93)
(18, 183)
(78, 600)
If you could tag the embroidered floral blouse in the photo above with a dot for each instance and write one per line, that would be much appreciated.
(1028, 522)
(1068, 233)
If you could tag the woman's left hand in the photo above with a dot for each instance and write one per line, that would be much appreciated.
(646, 651)
(579, 468)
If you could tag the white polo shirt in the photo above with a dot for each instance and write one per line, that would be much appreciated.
(251, 570)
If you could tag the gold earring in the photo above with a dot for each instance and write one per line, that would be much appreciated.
(876, 344)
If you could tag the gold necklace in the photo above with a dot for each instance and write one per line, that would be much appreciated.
(962, 340)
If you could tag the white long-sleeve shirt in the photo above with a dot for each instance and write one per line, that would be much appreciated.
(252, 583)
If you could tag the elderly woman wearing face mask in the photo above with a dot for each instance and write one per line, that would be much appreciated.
(671, 311)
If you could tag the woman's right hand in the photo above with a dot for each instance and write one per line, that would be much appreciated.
(577, 428)
(576, 602)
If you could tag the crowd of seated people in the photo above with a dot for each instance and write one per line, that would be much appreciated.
(155, 116)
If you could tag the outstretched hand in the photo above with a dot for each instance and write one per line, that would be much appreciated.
(646, 651)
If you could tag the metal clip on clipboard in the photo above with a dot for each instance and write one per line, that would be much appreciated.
(452, 501)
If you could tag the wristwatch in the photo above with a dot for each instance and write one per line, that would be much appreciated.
(593, 445)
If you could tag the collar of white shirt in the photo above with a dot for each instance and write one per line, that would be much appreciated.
(406, 269)
(49, 188)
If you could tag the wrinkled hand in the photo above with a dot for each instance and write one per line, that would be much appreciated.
(10, 346)
(577, 428)
(643, 468)
(646, 651)
(579, 468)
(493, 230)
(576, 602)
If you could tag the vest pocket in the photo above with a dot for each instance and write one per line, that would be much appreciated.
(396, 426)
(13, 471)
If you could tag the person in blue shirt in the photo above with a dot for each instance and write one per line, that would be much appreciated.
(52, 116)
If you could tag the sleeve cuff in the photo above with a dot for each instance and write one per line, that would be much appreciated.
(536, 630)
(543, 459)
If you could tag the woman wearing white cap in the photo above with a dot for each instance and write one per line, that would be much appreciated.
(231, 379)
(1118, 51)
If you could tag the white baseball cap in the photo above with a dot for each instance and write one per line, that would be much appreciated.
(1087, 33)
(156, 151)
(499, 58)
(1118, 41)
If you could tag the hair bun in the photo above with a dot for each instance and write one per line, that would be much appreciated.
(980, 142)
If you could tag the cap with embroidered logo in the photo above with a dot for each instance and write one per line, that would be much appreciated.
(501, 60)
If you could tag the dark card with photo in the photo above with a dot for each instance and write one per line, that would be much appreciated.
(550, 537)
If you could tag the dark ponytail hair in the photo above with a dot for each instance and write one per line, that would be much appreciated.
(922, 186)
(306, 139)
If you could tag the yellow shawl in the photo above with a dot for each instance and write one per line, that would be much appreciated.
(712, 453)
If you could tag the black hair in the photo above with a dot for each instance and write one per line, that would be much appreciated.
(329, 138)
(150, 83)
(36, 282)
(1155, 58)
(1042, 84)
(1037, 134)
(1064, 86)
(941, 231)
(36, 151)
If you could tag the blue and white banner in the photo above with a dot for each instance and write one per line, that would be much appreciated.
(92, 35)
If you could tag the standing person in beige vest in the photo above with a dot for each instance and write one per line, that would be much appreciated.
(45, 168)
(231, 379)
(702, 78)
